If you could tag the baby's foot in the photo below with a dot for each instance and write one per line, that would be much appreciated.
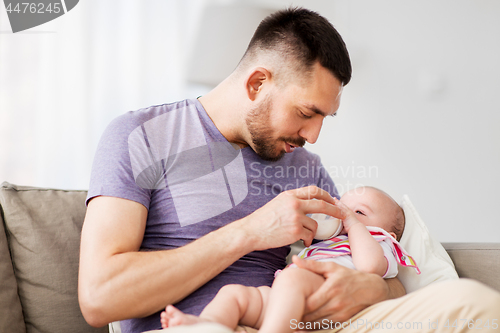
(174, 317)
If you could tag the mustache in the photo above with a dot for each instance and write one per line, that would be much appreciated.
(297, 142)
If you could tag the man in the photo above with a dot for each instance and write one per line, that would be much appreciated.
(190, 196)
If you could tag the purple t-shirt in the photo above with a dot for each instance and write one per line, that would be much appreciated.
(173, 160)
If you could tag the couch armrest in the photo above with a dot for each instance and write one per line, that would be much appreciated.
(479, 261)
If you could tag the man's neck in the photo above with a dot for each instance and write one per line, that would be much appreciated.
(226, 108)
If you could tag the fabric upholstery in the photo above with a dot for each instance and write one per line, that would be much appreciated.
(11, 313)
(43, 228)
(480, 261)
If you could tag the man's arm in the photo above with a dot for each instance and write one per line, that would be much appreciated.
(345, 291)
(117, 281)
(396, 288)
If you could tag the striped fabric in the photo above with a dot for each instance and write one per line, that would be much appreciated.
(339, 246)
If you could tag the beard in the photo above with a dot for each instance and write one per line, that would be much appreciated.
(261, 133)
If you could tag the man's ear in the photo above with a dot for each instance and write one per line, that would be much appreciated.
(256, 80)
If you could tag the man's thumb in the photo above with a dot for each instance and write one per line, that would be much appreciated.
(310, 265)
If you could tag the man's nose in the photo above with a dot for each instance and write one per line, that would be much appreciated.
(310, 132)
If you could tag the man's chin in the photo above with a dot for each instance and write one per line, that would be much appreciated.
(271, 158)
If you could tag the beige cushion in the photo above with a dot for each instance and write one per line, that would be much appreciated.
(480, 261)
(11, 314)
(43, 228)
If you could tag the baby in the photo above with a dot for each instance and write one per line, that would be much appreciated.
(373, 223)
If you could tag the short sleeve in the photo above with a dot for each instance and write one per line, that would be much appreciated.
(392, 264)
(112, 173)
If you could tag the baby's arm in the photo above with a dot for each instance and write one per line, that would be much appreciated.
(367, 254)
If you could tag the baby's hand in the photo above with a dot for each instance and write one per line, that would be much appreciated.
(350, 218)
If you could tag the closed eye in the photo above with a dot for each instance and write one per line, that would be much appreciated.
(303, 115)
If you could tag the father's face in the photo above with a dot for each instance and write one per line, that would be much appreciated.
(266, 141)
(292, 115)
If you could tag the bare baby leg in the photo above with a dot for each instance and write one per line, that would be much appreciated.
(288, 297)
(233, 304)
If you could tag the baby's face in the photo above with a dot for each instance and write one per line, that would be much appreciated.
(372, 207)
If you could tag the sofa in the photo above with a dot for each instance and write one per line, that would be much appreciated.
(39, 251)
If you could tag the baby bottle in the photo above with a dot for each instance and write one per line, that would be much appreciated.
(328, 226)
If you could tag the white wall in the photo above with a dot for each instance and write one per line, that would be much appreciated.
(418, 118)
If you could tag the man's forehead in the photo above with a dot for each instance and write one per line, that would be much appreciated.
(328, 106)
(323, 91)
(324, 109)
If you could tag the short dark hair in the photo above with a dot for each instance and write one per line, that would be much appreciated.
(306, 36)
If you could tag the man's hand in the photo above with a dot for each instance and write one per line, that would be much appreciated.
(283, 220)
(348, 216)
(344, 293)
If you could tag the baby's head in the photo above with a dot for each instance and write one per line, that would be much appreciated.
(376, 208)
